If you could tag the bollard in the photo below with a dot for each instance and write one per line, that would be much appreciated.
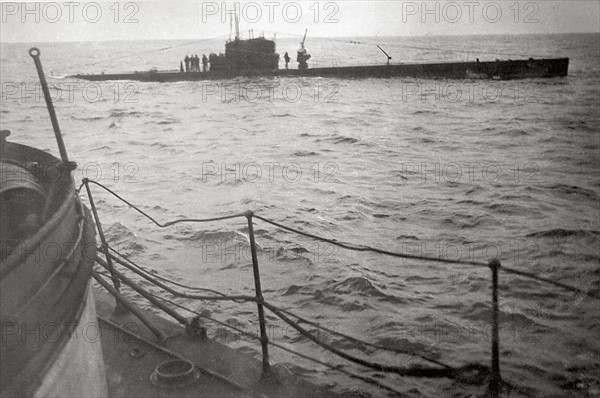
(264, 340)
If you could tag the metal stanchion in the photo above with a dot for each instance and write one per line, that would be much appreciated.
(35, 54)
(134, 310)
(264, 340)
(119, 308)
(495, 379)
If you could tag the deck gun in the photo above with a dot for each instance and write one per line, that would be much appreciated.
(303, 55)
(386, 54)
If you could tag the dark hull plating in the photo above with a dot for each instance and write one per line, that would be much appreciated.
(499, 70)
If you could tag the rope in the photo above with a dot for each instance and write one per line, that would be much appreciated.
(354, 339)
(415, 371)
(350, 246)
(412, 371)
(291, 35)
(470, 373)
(444, 50)
(550, 281)
(363, 248)
(106, 274)
(157, 276)
(168, 289)
(474, 52)
(167, 224)
(256, 337)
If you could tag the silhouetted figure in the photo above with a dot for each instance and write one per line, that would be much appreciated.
(180, 66)
(497, 71)
(187, 63)
(303, 56)
(204, 62)
(196, 63)
(286, 57)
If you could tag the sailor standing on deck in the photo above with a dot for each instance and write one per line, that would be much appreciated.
(204, 62)
(187, 63)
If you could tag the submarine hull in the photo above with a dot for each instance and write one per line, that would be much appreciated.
(496, 70)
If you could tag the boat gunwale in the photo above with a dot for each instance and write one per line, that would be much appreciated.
(18, 255)
(30, 376)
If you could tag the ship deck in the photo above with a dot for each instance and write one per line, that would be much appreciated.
(130, 361)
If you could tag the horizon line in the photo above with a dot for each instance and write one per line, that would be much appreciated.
(316, 37)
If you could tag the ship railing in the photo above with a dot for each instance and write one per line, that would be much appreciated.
(470, 373)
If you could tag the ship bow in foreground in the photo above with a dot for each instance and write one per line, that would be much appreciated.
(50, 344)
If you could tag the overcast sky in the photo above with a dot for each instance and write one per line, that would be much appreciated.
(98, 21)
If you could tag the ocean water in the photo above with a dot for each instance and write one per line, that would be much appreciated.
(459, 169)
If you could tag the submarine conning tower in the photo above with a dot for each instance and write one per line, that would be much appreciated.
(254, 54)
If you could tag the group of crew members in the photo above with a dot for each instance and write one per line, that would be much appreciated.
(192, 64)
